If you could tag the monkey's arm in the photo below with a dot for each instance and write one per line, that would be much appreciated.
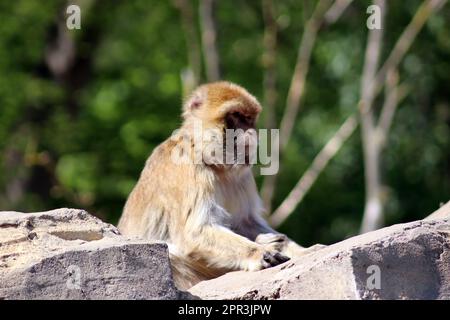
(256, 228)
(248, 222)
(221, 248)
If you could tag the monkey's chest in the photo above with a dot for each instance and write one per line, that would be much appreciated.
(235, 200)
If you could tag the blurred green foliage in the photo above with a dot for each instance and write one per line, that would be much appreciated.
(82, 141)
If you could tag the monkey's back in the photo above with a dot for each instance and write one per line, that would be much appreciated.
(160, 204)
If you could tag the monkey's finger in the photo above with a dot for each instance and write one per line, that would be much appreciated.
(270, 259)
(279, 238)
(281, 258)
(266, 238)
(274, 259)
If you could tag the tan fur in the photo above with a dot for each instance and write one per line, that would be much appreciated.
(209, 215)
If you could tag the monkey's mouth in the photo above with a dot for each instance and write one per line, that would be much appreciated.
(231, 150)
(239, 155)
(240, 149)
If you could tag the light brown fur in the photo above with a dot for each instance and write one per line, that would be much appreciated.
(210, 215)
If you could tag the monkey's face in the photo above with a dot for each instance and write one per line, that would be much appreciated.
(228, 115)
(240, 137)
(230, 141)
(235, 127)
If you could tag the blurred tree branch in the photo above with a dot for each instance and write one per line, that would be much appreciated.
(269, 83)
(336, 10)
(312, 173)
(296, 89)
(301, 68)
(269, 63)
(70, 67)
(347, 129)
(192, 76)
(394, 93)
(60, 53)
(375, 140)
(331, 148)
(423, 13)
(209, 36)
(374, 136)
(373, 208)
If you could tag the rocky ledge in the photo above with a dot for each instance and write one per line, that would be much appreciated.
(69, 254)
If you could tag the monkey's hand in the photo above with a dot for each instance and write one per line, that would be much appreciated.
(265, 258)
(283, 244)
(273, 258)
(273, 245)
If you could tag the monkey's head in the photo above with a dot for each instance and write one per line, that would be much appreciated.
(227, 114)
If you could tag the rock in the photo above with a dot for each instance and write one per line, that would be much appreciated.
(69, 254)
(411, 261)
(442, 213)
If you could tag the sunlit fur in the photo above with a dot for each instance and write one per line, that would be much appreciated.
(209, 215)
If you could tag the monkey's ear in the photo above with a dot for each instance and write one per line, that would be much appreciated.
(195, 101)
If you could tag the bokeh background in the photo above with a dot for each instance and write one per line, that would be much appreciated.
(81, 110)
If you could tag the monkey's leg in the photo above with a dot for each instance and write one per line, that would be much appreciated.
(187, 273)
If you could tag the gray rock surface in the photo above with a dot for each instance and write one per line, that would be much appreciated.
(442, 213)
(404, 261)
(69, 254)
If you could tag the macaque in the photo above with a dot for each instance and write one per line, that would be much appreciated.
(198, 194)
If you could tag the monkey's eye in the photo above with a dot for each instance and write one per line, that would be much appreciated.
(238, 120)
